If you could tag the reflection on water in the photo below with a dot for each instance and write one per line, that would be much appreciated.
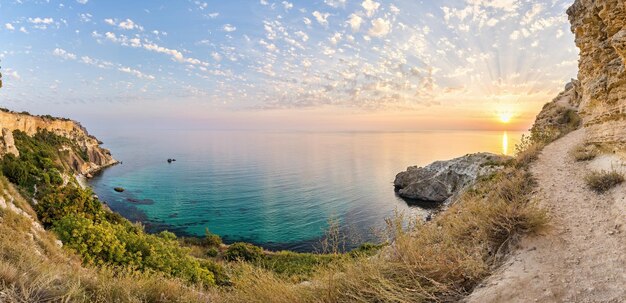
(276, 189)
(505, 143)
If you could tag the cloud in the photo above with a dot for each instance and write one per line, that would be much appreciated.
(135, 73)
(127, 24)
(229, 28)
(216, 56)
(302, 35)
(322, 18)
(370, 7)
(380, 27)
(355, 22)
(63, 54)
(336, 38)
(82, 1)
(335, 3)
(59, 52)
(363, 53)
(287, 5)
(39, 20)
(176, 55)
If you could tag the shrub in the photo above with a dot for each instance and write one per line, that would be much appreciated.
(602, 181)
(212, 252)
(584, 152)
(367, 249)
(59, 202)
(211, 239)
(297, 266)
(103, 243)
(243, 252)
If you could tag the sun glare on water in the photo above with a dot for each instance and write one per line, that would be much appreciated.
(505, 143)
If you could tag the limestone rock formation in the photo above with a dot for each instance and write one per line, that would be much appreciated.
(559, 116)
(96, 157)
(600, 30)
(441, 180)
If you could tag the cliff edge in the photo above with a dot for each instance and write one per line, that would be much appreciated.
(91, 158)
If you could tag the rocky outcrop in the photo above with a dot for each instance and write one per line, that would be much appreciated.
(441, 180)
(600, 30)
(8, 143)
(93, 159)
(560, 116)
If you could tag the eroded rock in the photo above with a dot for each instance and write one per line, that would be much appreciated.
(441, 180)
(600, 30)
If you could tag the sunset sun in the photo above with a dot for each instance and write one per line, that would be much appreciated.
(505, 117)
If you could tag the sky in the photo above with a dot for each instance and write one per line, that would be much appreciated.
(368, 65)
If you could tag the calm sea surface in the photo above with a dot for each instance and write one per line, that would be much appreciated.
(274, 189)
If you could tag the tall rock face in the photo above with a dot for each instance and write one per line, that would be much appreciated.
(94, 158)
(600, 30)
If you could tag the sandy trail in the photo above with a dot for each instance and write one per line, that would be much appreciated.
(582, 256)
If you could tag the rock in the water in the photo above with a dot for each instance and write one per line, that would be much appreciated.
(441, 180)
(119, 189)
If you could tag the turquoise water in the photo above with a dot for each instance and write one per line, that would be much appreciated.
(274, 189)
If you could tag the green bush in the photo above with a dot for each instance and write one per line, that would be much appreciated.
(212, 252)
(211, 239)
(297, 266)
(243, 252)
(366, 249)
(106, 243)
(96, 243)
(59, 202)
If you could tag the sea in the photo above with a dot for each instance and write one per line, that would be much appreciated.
(278, 190)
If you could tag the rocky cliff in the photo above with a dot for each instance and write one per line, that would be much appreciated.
(94, 157)
(441, 180)
(600, 30)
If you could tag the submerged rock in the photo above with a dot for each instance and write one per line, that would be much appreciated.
(441, 180)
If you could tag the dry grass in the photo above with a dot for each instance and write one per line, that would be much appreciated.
(437, 261)
(584, 152)
(603, 181)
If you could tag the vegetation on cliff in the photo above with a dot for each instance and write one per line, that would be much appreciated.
(79, 219)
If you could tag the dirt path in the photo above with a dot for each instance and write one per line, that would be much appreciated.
(582, 257)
